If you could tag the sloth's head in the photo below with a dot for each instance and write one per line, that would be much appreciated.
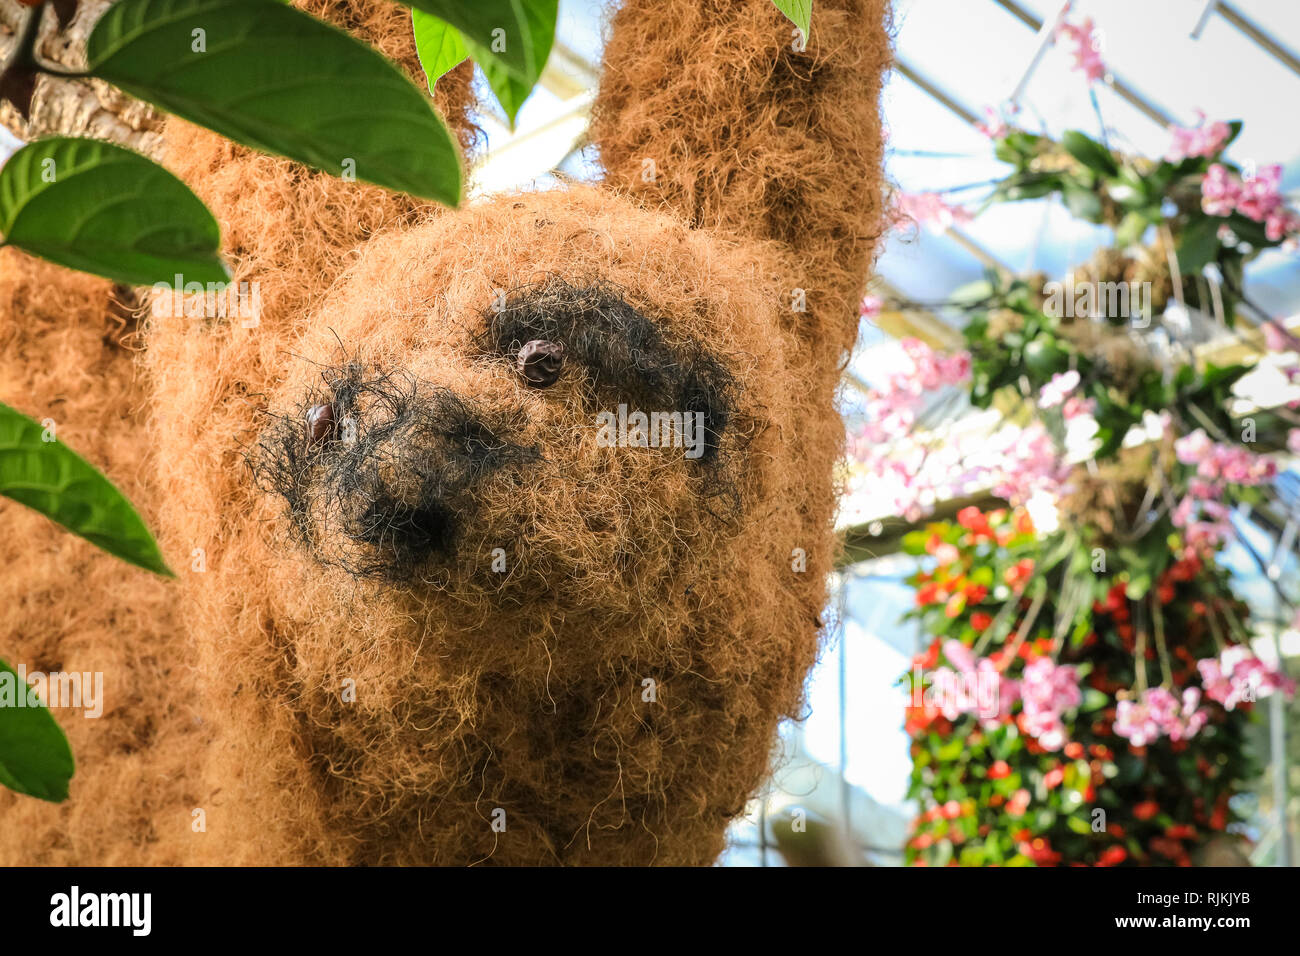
(456, 505)
(562, 416)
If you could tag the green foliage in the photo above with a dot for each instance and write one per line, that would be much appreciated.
(990, 793)
(1091, 153)
(512, 34)
(1019, 362)
(799, 12)
(93, 206)
(441, 46)
(273, 78)
(1131, 194)
(51, 478)
(34, 755)
(438, 44)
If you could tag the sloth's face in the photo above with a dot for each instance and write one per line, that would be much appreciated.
(516, 420)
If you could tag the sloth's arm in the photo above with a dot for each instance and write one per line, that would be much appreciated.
(749, 135)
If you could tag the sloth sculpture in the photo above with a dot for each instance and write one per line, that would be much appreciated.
(443, 599)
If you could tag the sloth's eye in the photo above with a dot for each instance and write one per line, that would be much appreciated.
(539, 362)
(320, 424)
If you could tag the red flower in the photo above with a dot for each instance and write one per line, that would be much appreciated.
(999, 770)
(1019, 572)
(973, 520)
(1112, 856)
(1053, 778)
(927, 595)
(976, 593)
(1146, 810)
(1040, 851)
(1115, 598)
(1169, 849)
(1018, 803)
(1180, 831)
(1074, 750)
(980, 621)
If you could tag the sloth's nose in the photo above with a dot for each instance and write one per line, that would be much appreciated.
(383, 474)
(405, 476)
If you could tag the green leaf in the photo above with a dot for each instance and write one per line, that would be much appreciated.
(511, 91)
(1018, 147)
(97, 207)
(1223, 376)
(914, 542)
(1198, 245)
(35, 758)
(441, 46)
(1093, 699)
(1082, 202)
(972, 292)
(54, 480)
(516, 35)
(799, 13)
(1089, 152)
(1079, 825)
(1234, 127)
(275, 79)
(1130, 230)
(438, 44)
(1029, 186)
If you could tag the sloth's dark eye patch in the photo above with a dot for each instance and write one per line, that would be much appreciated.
(384, 481)
(623, 350)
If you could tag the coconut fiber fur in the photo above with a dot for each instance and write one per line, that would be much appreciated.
(439, 618)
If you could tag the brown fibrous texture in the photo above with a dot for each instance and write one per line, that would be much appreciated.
(66, 606)
(476, 690)
(709, 108)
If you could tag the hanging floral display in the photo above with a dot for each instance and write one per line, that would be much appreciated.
(1084, 695)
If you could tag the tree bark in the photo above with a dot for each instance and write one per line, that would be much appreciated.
(61, 107)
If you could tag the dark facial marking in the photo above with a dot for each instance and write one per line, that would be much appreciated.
(622, 349)
(391, 491)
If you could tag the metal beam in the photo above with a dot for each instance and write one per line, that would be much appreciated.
(905, 68)
(1121, 88)
(1250, 29)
